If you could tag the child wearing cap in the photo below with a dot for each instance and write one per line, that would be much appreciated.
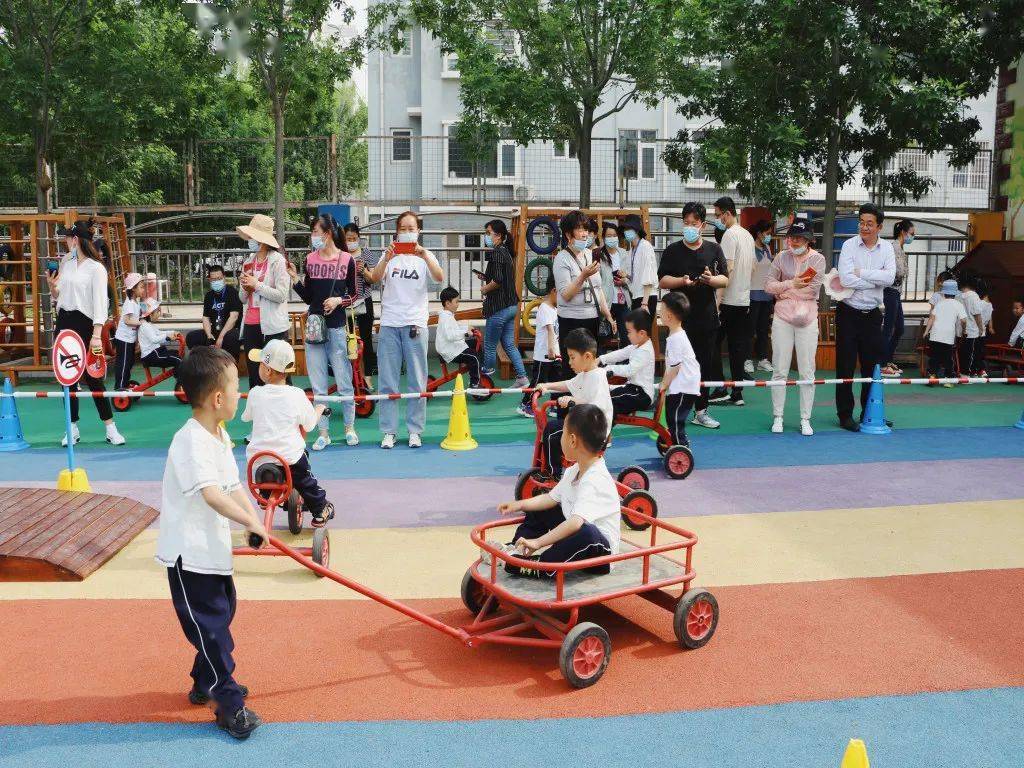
(127, 332)
(281, 415)
(201, 492)
(947, 321)
(152, 339)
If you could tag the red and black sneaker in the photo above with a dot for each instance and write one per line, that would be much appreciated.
(327, 513)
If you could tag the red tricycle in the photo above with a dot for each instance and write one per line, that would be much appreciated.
(270, 482)
(122, 404)
(632, 482)
(364, 408)
(449, 374)
(678, 458)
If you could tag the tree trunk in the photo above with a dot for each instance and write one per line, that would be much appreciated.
(42, 181)
(278, 108)
(831, 194)
(41, 247)
(584, 153)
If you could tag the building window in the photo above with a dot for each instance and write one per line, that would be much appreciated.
(450, 64)
(401, 145)
(508, 159)
(975, 175)
(637, 153)
(471, 242)
(565, 150)
(697, 171)
(406, 48)
(462, 164)
(917, 160)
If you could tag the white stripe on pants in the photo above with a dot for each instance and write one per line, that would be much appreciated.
(786, 338)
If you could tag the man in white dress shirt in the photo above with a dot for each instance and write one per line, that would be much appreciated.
(867, 264)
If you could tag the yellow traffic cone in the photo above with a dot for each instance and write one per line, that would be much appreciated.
(460, 437)
(856, 755)
(73, 481)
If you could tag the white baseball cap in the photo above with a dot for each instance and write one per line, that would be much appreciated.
(277, 354)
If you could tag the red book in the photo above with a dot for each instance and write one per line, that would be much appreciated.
(808, 274)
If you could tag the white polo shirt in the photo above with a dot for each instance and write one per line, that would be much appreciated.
(637, 365)
(946, 321)
(679, 352)
(593, 498)
(973, 306)
(189, 527)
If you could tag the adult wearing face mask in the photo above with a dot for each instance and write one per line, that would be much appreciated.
(366, 260)
(221, 309)
(642, 265)
(501, 301)
(614, 279)
(697, 267)
(264, 290)
(892, 321)
(761, 302)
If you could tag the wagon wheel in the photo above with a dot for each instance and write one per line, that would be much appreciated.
(529, 484)
(584, 655)
(474, 595)
(486, 382)
(321, 548)
(294, 508)
(679, 462)
(635, 478)
(695, 618)
(638, 501)
(122, 404)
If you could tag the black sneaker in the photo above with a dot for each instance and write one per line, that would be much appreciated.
(241, 724)
(718, 395)
(198, 697)
(849, 424)
(327, 513)
(528, 573)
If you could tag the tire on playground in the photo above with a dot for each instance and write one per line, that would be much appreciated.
(536, 275)
(526, 320)
(531, 235)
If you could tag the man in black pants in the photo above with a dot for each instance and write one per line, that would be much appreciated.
(867, 264)
(221, 309)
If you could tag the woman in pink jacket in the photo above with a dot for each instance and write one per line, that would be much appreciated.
(796, 318)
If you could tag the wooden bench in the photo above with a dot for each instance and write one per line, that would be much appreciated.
(48, 535)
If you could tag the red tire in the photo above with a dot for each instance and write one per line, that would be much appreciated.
(531, 483)
(321, 548)
(642, 502)
(486, 382)
(584, 655)
(122, 404)
(679, 462)
(696, 618)
(635, 478)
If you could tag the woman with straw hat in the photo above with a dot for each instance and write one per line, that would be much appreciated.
(264, 288)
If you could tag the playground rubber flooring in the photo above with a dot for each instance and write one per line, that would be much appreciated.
(869, 588)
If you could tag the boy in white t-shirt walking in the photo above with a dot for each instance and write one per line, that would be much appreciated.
(681, 384)
(201, 492)
(452, 340)
(975, 326)
(546, 364)
(947, 321)
(281, 415)
(636, 364)
(589, 385)
(578, 519)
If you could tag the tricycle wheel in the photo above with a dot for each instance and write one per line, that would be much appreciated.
(663, 446)
(180, 394)
(122, 404)
(321, 548)
(635, 478)
(529, 485)
(294, 509)
(474, 594)
(365, 408)
(584, 655)
(642, 502)
(696, 618)
(679, 462)
(486, 382)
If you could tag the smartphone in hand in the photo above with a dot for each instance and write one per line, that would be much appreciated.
(406, 248)
(480, 274)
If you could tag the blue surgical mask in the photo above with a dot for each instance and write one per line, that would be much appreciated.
(611, 243)
(579, 245)
(317, 242)
(630, 235)
(217, 285)
(74, 252)
(719, 225)
(590, 241)
(908, 240)
(253, 246)
(691, 234)
(488, 241)
(767, 238)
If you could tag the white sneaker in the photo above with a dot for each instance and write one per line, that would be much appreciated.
(702, 419)
(351, 438)
(748, 367)
(508, 549)
(805, 428)
(414, 440)
(777, 425)
(521, 383)
(74, 436)
(388, 441)
(765, 365)
(113, 436)
(321, 442)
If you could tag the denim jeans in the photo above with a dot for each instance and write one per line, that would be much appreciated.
(394, 347)
(333, 352)
(502, 326)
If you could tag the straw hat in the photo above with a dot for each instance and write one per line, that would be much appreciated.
(260, 229)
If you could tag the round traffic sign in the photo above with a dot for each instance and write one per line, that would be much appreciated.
(68, 358)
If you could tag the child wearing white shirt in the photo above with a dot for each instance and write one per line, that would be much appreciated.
(127, 332)
(546, 364)
(152, 339)
(281, 415)
(947, 321)
(452, 340)
(681, 384)
(987, 329)
(975, 327)
(1017, 334)
(589, 385)
(637, 366)
(578, 519)
(201, 492)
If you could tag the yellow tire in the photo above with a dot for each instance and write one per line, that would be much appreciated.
(527, 316)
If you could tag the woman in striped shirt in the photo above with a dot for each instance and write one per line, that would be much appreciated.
(501, 302)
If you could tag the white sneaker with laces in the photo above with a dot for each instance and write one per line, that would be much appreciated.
(765, 365)
(414, 440)
(509, 549)
(113, 436)
(748, 366)
(388, 441)
(521, 382)
(351, 438)
(777, 425)
(703, 419)
(74, 436)
(321, 442)
(805, 428)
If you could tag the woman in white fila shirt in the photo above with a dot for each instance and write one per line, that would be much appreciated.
(403, 326)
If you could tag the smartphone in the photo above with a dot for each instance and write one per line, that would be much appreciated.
(480, 274)
(405, 247)
(52, 267)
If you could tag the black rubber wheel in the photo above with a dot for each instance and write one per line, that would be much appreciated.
(584, 655)
(695, 618)
(536, 275)
(321, 549)
(486, 382)
(678, 462)
(294, 508)
(529, 484)
(635, 478)
(474, 594)
(554, 235)
(122, 404)
(640, 501)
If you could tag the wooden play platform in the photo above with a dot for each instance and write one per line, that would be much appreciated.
(48, 535)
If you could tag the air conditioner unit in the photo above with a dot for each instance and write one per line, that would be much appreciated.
(525, 193)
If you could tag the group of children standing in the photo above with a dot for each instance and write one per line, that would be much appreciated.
(959, 309)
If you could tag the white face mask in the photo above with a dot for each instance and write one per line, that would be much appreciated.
(408, 237)
(353, 246)
(317, 242)
(799, 250)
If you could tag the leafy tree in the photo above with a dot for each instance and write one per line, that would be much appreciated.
(1013, 187)
(353, 154)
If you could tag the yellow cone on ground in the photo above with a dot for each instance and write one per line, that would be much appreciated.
(73, 481)
(460, 438)
(856, 755)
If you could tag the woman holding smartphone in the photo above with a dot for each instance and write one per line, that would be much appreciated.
(406, 269)
(501, 301)
(264, 288)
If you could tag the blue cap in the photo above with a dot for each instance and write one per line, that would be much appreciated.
(950, 288)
